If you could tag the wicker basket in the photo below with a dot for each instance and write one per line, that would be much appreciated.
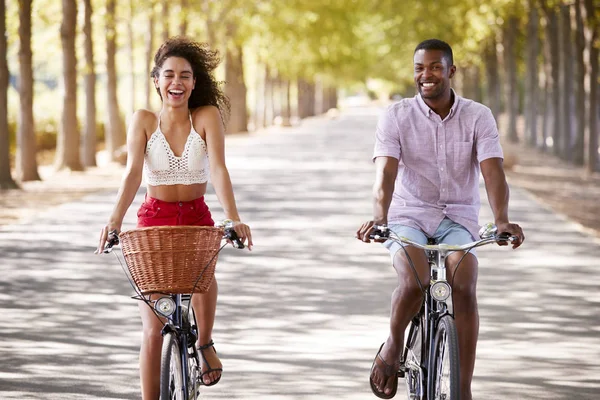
(169, 259)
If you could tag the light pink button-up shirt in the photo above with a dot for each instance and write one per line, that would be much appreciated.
(438, 161)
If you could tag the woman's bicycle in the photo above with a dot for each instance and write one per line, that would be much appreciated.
(430, 362)
(166, 266)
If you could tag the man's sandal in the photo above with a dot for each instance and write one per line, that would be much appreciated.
(209, 370)
(388, 371)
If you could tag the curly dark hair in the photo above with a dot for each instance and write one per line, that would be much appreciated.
(203, 61)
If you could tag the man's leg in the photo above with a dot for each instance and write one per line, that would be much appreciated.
(406, 302)
(464, 299)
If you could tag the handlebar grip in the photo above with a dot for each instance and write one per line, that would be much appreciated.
(113, 240)
(235, 240)
(379, 232)
(507, 237)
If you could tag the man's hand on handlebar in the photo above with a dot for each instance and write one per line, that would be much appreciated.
(370, 231)
(511, 230)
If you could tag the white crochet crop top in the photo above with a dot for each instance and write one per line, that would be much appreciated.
(163, 167)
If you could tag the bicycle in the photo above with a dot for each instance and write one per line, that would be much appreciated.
(180, 371)
(429, 361)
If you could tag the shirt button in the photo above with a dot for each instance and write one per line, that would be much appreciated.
(443, 190)
(441, 169)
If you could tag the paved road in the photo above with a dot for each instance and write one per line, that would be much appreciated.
(302, 316)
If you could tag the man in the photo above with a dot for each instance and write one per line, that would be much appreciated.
(429, 151)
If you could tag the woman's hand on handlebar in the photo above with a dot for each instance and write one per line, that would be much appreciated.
(105, 239)
(244, 233)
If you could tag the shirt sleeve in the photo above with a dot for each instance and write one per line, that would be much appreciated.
(487, 138)
(387, 137)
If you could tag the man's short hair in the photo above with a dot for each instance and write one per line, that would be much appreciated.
(436, 44)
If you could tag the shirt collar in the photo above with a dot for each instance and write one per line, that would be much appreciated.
(428, 111)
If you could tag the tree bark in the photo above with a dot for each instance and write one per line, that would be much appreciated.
(592, 55)
(26, 161)
(566, 81)
(6, 180)
(235, 88)
(67, 143)
(149, 55)
(115, 130)
(555, 126)
(305, 103)
(267, 98)
(510, 33)
(531, 78)
(286, 112)
(578, 146)
(88, 153)
(165, 20)
(183, 20)
(131, 47)
(493, 78)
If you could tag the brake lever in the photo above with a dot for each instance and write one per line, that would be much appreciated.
(113, 240)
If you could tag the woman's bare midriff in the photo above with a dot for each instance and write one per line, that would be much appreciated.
(173, 193)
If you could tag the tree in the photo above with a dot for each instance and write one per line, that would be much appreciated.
(579, 145)
(592, 86)
(26, 162)
(6, 181)
(115, 129)
(235, 86)
(67, 142)
(510, 60)
(552, 38)
(531, 78)
(149, 54)
(566, 81)
(88, 154)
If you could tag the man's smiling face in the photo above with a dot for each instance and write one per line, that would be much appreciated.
(432, 73)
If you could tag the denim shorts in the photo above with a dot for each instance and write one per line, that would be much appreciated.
(449, 232)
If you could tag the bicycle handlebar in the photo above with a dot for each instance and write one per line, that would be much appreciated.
(383, 232)
(230, 234)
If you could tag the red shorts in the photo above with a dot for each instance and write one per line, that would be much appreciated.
(154, 212)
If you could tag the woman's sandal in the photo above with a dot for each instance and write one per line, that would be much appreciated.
(209, 370)
(388, 371)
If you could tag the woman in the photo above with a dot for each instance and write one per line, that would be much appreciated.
(175, 149)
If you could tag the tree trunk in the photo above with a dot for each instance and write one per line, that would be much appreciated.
(115, 130)
(209, 25)
(578, 146)
(267, 99)
(183, 23)
(6, 180)
(493, 78)
(149, 56)
(555, 131)
(566, 81)
(67, 143)
(510, 38)
(130, 50)
(286, 112)
(235, 89)
(591, 84)
(305, 104)
(531, 78)
(165, 20)
(88, 153)
(26, 162)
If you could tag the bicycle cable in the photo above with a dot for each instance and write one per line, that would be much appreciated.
(458, 263)
(410, 262)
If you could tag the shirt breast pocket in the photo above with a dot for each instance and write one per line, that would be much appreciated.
(463, 156)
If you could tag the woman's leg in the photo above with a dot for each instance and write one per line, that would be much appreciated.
(150, 353)
(205, 306)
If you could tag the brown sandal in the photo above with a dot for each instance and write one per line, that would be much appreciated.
(388, 371)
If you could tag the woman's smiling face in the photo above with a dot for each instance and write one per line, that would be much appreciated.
(175, 81)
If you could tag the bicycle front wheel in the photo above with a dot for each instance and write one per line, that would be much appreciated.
(444, 364)
(171, 373)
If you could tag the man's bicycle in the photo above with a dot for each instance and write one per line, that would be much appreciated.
(430, 362)
(166, 266)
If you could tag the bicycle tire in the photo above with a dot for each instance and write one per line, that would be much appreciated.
(414, 374)
(444, 367)
(171, 374)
